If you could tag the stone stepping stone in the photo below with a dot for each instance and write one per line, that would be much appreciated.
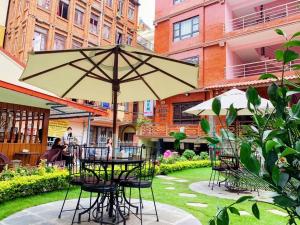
(244, 213)
(277, 212)
(166, 177)
(187, 195)
(170, 188)
(197, 204)
(181, 181)
(168, 183)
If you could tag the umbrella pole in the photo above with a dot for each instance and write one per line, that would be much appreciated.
(115, 111)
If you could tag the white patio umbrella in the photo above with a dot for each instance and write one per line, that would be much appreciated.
(110, 74)
(234, 96)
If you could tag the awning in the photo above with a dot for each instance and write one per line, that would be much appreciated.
(59, 108)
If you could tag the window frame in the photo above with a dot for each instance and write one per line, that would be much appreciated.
(91, 24)
(44, 33)
(104, 33)
(62, 38)
(193, 33)
(44, 5)
(120, 7)
(111, 3)
(60, 9)
(176, 2)
(81, 12)
(187, 119)
(131, 8)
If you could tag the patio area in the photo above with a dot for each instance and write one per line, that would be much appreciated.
(47, 215)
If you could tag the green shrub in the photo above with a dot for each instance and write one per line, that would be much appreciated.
(20, 186)
(169, 168)
(188, 154)
(204, 155)
(196, 158)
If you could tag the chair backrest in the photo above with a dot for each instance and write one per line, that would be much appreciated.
(93, 169)
(74, 152)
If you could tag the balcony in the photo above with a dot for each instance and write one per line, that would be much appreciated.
(261, 16)
(257, 68)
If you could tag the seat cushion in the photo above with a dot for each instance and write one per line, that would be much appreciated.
(101, 187)
(135, 184)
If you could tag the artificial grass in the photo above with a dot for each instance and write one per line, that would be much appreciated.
(165, 196)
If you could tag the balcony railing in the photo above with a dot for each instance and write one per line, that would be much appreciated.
(264, 16)
(257, 68)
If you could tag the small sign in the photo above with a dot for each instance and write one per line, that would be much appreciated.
(149, 108)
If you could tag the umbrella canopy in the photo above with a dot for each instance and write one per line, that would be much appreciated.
(111, 74)
(236, 97)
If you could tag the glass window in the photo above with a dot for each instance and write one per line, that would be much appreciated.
(120, 7)
(39, 39)
(179, 117)
(193, 59)
(78, 18)
(59, 42)
(106, 32)
(131, 12)
(76, 44)
(94, 23)
(109, 3)
(44, 4)
(119, 37)
(63, 8)
(186, 29)
(177, 1)
(129, 39)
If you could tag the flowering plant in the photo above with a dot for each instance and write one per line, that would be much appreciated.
(168, 154)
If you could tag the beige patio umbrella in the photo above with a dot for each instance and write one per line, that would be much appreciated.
(234, 96)
(112, 74)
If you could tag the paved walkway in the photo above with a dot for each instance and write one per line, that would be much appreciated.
(222, 192)
(47, 215)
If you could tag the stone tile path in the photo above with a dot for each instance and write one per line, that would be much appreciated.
(197, 204)
(47, 215)
(186, 195)
(277, 212)
(222, 192)
(244, 213)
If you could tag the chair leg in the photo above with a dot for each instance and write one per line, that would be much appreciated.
(213, 181)
(91, 195)
(154, 204)
(141, 211)
(77, 207)
(218, 181)
(211, 174)
(63, 205)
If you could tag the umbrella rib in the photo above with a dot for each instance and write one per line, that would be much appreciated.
(138, 66)
(50, 69)
(165, 58)
(163, 71)
(96, 76)
(81, 78)
(97, 65)
(139, 75)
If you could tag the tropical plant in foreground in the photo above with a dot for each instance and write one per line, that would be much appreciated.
(274, 135)
(178, 136)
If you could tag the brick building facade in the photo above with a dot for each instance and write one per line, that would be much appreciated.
(233, 41)
(62, 24)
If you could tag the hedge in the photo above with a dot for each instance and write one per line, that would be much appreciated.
(21, 186)
(31, 185)
(165, 169)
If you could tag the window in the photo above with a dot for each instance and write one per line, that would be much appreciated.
(120, 7)
(44, 4)
(119, 37)
(106, 32)
(179, 117)
(186, 29)
(94, 23)
(59, 42)
(63, 8)
(39, 39)
(76, 44)
(78, 18)
(177, 1)
(109, 3)
(129, 39)
(131, 12)
(193, 59)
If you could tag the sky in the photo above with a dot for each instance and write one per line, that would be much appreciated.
(147, 11)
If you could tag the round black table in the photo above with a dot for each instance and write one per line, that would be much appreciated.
(126, 162)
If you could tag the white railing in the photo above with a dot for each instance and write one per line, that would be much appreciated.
(257, 68)
(263, 16)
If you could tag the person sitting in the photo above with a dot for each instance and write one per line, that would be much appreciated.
(59, 152)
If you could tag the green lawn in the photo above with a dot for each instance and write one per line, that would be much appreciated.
(165, 196)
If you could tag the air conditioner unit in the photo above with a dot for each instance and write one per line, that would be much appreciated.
(221, 43)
